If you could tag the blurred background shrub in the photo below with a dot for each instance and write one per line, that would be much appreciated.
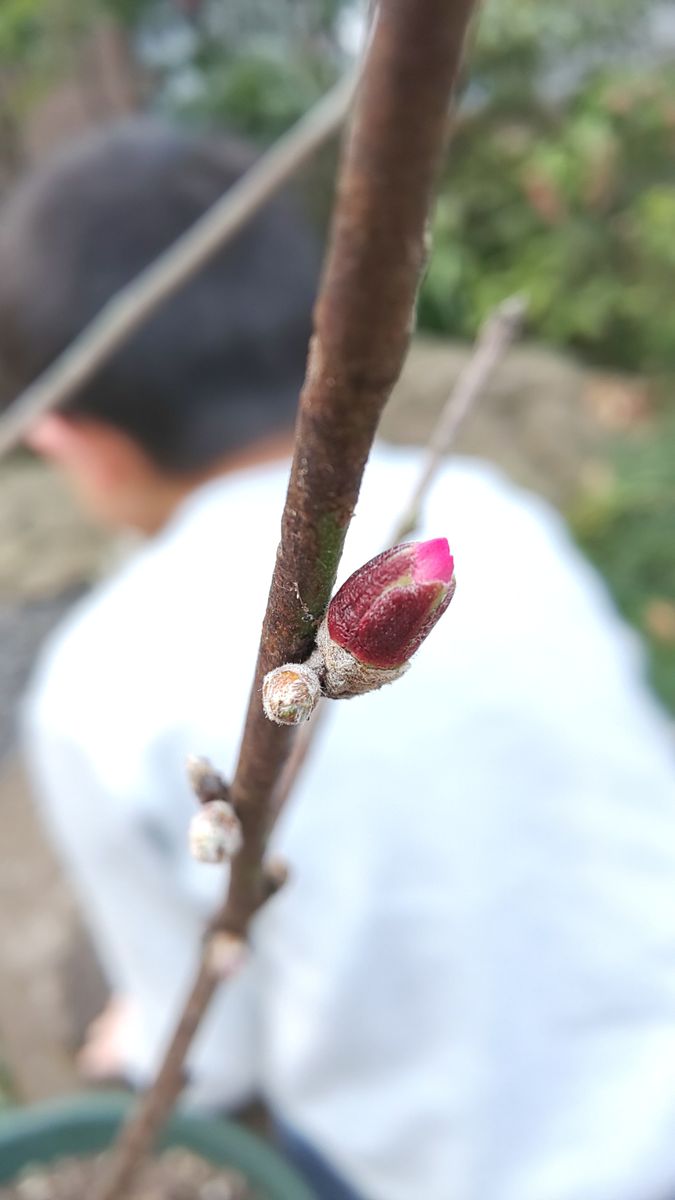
(563, 161)
(563, 183)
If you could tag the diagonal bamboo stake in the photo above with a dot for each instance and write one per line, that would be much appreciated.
(494, 339)
(128, 310)
(363, 321)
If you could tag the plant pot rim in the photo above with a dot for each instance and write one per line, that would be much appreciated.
(86, 1123)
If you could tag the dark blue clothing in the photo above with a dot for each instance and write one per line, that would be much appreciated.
(318, 1175)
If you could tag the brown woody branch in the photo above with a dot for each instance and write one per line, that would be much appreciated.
(363, 321)
(494, 339)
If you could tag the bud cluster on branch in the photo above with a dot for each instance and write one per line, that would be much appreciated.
(215, 830)
(372, 627)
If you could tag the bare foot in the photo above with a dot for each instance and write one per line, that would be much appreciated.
(102, 1056)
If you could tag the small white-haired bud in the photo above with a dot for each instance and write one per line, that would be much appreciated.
(207, 783)
(290, 693)
(215, 833)
(275, 875)
(225, 953)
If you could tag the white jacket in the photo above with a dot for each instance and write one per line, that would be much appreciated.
(467, 991)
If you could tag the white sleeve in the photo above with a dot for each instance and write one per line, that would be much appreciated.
(145, 924)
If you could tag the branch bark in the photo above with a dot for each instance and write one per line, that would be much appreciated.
(363, 321)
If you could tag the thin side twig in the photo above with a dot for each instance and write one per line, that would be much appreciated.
(494, 339)
(362, 330)
(128, 310)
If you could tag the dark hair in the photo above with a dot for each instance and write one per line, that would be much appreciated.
(220, 365)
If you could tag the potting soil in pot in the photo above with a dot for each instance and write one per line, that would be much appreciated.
(174, 1175)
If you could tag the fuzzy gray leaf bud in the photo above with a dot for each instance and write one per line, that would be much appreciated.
(290, 693)
(225, 954)
(215, 833)
(275, 876)
(207, 783)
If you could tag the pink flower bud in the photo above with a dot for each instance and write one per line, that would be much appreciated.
(385, 610)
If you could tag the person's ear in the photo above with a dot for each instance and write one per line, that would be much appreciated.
(52, 437)
(108, 471)
(87, 449)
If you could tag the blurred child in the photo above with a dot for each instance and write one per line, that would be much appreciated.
(467, 989)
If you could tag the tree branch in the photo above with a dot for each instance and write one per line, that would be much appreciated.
(363, 320)
(128, 310)
(494, 339)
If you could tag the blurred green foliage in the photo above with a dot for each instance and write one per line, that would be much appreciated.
(575, 208)
(260, 95)
(253, 66)
(626, 527)
(27, 27)
(562, 185)
(7, 1089)
(258, 71)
